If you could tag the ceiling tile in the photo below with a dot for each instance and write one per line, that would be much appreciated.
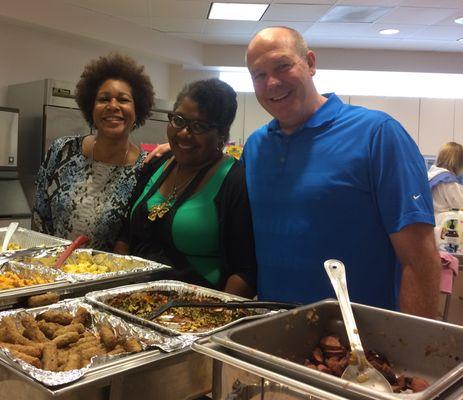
(448, 33)
(433, 3)
(179, 8)
(298, 26)
(177, 24)
(416, 15)
(306, 2)
(221, 27)
(337, 29)
(450, 21)
(354, 14)
(140, 21)
(138, 8)
(405, 30)
(295, 12)
(377, 3)
(215, 39)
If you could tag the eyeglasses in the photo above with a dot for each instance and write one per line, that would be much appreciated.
(194, 126)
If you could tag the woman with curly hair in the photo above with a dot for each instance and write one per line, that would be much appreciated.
(85, 182)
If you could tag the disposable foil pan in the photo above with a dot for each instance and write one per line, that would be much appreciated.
(99, 299)
(415, 346)
(26, 238)
(29, 271)
(137, 264)
(147, 337)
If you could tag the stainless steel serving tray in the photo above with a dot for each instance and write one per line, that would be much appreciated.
(415, 346)
(147, 337)
(26, 238)
(142, 266)
(98, 298)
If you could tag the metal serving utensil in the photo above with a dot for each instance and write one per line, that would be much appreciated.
(272, 305)
(360, 372)
(8, 235)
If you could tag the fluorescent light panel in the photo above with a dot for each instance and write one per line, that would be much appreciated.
(459, 20)
(389, 31)
(237, 11)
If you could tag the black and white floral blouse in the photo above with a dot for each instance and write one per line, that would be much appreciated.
(77, 196)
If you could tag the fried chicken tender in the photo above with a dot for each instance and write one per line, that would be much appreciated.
(32, 330)
(48, 328)
(27, 358)
(74, 360)
(50, 357)
(83, 317)
(43, 299)
(66, 339)
(119, 349)
(11, 334)
(74, 327)
(59, 317)
(107, 337)
(29, 350)
(132, 345)
(90, 352)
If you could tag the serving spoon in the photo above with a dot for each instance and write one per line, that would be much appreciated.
(8, 235)
(359, 370)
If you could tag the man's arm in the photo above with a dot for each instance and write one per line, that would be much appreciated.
(421, 269)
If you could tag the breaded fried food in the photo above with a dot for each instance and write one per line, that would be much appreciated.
(90, 352)
(107, 337)
(119, 349)
(83, 317)
(48, 328)
(11, 334)
(59, 317)
(43, 299)
(132, 345)
(74, 360)
(29, 350)
(27, 358)
(32, 330)
(66, 339)
(50, 357)
(74, 327)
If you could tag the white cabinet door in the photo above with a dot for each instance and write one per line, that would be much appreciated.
(254, 115)
(404, 109)
(237, 128)
(458, 127)
(436, 124)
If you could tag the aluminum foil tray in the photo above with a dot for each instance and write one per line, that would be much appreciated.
(99, 298)
(146, 337)
(26, 238)
(30, 271)
(415, 346)
(115, 261)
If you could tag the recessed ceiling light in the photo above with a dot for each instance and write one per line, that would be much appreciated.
(389, 31)
(237, 11)
(460, 40)
(458, 20)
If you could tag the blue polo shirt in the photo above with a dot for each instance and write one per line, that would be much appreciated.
(334, 188)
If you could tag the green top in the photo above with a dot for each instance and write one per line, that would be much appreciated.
(195, 226)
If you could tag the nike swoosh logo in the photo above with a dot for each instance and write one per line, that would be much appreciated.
(416, 197)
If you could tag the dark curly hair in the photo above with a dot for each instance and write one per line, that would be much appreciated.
(115, 66)
(216, 101)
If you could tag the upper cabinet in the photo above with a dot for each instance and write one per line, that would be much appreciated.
(404, 109)
(437, 117)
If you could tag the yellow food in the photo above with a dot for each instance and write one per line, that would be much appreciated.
(13, 246)
(85, 263)
(10, 280)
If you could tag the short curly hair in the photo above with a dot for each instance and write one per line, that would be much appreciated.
(216, 101)
(115, 66)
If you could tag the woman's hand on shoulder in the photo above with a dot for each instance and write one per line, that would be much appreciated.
(158, 152)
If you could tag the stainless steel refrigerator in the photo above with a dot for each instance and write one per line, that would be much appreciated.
(13, 204)
(48, 111)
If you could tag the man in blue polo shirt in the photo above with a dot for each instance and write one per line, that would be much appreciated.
(330, 180)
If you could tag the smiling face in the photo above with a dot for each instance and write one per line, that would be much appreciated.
(282, 78)
(192, 150)
(114, 109)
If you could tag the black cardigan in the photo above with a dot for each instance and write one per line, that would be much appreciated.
(153, 240)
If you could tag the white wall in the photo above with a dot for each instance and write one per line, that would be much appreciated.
(29, 53)
(180, 76)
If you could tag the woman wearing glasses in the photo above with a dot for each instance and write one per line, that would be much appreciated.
(190, 209)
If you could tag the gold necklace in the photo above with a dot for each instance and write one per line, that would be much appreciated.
(125, 156)
(161, 209)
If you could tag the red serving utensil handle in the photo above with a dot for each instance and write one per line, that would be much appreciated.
(76, 243)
